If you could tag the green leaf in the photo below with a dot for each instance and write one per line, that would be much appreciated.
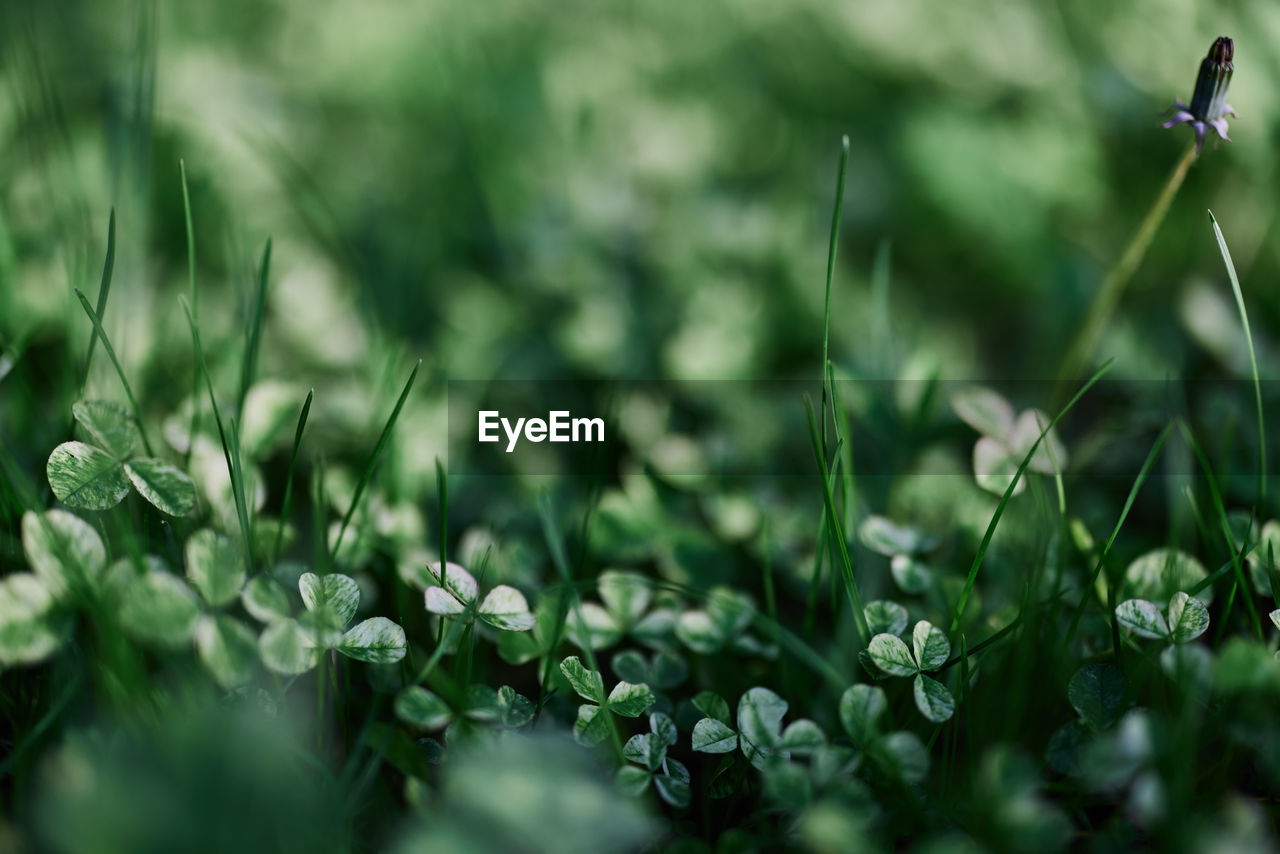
(630, 700)
(335, 591)
(1051, 456)
(760, 713)
(1275, 617)
(885, 617)
(588, 683)
(377, 640)
(265, 599)
(626, 594)
(730, 610)
(1142, 618)
(1065, 748)
(933, 699)
(505, 608)
(1158, 574)
(109, 424)
(228, 649)
(631, 666)
(595, 630)
(904, 756)
(592, 725)
(167, 487)
(215, 566)
(802, 737)
(455, 580)
(699, 632)
(62, 549)
(883, 536)
(1188, 618)
(985, 411)
(930, 645)
(419, 707)
(287, 649)
(26, 632)
(891, 655)
(860, 707)
(910, 575)
(1097, 691)
(632, 781)
(160, 608)
(514, 710)
(712, 705)
(663, 729)
(86, 478)
(787, 784)
(674, 787)
(713, 736)
(994, 466)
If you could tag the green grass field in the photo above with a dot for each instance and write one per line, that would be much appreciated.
(932, 508)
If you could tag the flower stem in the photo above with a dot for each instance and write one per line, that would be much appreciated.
(1104, 302)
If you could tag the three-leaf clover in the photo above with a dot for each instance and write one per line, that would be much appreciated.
(1099, 693)
(900, 754)
(670, 778)
(454, 595)
(626, 597)
(1186, 619)
(1006, 439)
(291, 646)
(503, 708)
(721, 625)
(904, 547)
(98, 476)
(929, 650)
(627, 699)
(759, 733)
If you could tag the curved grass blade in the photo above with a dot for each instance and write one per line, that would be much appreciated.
(104, 288)
(111, 353)
(288, 481)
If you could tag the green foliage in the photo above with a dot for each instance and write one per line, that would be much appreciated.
(929, 650)
(594, 724)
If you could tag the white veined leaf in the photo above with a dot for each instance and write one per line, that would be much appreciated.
(760, 713)
(663, 729)
(731, 610)
(595, 630)
(419, 707)
(713, 736)
(1142, 618)
(506, 608)
(591, 726)
(933, 699)
(377, 640)
(265, 599)
(885, 617)
(514, 710)
(696, 630)
(1188, 617)
(712, 705)
(440, 601)
(587, 683)
(630, 700)
(336, 591)
(287, 649)
(456, 580)
(674, 787)
(85, 477)
(1275, 617)
(994, 466)
(985, 411)
(802, 737)
(860, 707)
(215, 566)
(1050, 455)
(1158, 574)
(228, 649)
(625, 594)
(109, 424)
(891, 655)
(656, 628)
(62, 548)
(910, 575)
(888, 538)
(930, 645)
(632, 781)
(167, 487)
(160, 608)
(26, 632)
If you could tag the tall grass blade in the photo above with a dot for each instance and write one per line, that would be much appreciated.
(111, 354)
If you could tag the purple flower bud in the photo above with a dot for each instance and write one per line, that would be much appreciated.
(1209, 107)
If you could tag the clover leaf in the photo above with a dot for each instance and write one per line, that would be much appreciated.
(626, 597)
(454, 595)
(670, 778)
(1006, 440)
(1187, 618)
(899, 754)
(903, 546)
(291, 646)
(503, 708)
(90, 477)
(627, 699)
(760, 733)
(721, 625)
(929, 651)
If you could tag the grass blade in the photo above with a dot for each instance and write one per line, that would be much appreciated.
(194, 307)
(104, 288)
(1008, 494)
(249, 365)
(288, 478)
(1253, 359)
(373, 459)
(832, 243)
(111, 354)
